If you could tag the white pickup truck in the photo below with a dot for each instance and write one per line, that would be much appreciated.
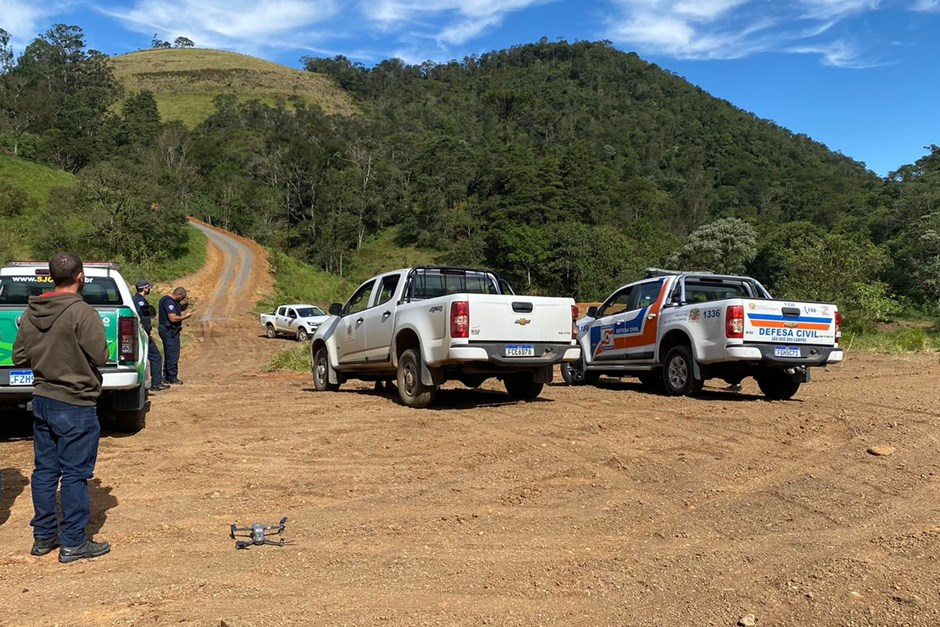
(297, 321)
(676, 330)
(423, 326)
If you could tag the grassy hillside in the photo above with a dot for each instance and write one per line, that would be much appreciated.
(35, 181)
(184, 81)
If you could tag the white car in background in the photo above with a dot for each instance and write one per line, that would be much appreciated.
(297, 321)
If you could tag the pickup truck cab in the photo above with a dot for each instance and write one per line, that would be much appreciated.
(124, 377)
(423, 326)
(675, 330)
(297, 321)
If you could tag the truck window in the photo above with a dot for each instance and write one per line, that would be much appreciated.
(16, 290)
(434, 282)
(617, 303)
(645, 294)
(280, 311)
(309, 312)
(389, 284)
(696, 292)
(359, 300)
(291, 314)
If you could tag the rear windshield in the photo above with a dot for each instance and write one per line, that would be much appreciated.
(16, 290)
(702, 291)
(433, 282)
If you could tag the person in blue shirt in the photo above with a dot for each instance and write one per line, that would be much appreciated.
(145, 311)
(171, 316)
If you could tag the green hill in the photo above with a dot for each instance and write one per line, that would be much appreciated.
(185, 81)
(24, 188)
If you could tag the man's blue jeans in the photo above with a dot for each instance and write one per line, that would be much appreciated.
(65, 443)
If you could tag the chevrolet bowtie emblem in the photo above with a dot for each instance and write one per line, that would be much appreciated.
(523, 321)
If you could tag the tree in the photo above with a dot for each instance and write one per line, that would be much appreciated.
(183, 42)
(725, 246)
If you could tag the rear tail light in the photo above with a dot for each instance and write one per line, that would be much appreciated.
(127, 339)
(838, 327)
(460, 319)
(734, 321)
(574, 322)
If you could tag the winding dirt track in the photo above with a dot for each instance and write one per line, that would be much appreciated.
(589, 506)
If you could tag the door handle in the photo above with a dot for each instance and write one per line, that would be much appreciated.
(386, 315)
(359, 321)
(651, 316)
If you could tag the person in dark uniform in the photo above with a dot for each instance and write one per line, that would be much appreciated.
(145, 311)
(170, 326)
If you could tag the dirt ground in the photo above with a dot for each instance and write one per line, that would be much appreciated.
(602, 505)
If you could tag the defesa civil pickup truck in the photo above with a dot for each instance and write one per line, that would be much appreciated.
(124, 377)
(675, 330)
(426, 325)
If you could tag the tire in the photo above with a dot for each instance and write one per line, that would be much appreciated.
(521, 386)
(573, 373)
(270, 332)
(778, 386)
(679, 373)
(130, 421)
(321, 371)
(411, 390)
(302, 335)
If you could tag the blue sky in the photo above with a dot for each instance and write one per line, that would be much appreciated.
(857, 75)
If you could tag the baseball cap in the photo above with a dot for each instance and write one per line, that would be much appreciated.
(143, 284)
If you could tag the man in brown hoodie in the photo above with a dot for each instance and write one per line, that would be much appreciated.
(62, 340)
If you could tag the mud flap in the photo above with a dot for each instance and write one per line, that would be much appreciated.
(431, 377)
(543, 375)
(129, 400)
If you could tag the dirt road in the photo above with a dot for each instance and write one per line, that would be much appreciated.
(588, 506)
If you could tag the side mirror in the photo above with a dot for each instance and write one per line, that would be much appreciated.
(592, 311)
(336, 309)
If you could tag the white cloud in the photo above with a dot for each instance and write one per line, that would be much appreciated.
(730, 29)
(926, 5)
(237, 24)
(23, 19)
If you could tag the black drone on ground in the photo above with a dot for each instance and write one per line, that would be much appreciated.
(256, 534)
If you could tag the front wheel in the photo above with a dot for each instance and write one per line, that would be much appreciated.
(521, 386)
(270, 332)
(573, 373)
(411, 390)
(679, 373)
(302, 334)
(321, 371)
(778, 386)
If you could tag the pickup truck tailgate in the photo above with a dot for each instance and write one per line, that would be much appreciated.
(789, 323)
(509, 318)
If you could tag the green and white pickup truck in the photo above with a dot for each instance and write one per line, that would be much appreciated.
(125, 377)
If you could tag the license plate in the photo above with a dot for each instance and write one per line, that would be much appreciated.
(520, 350)
(786, 351)
(21, 377)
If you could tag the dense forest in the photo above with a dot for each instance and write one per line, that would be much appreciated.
(567, 167)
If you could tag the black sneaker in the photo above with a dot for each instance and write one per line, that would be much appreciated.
(44, 546)
(173, 381)
(85, 549)
(159, 388)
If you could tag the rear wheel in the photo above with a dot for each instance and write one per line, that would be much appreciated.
(573, 373)
(521, 386)
(321, 371)
(270, 332)
(130, 421)
(302, 334)
(778, 386)
(411, 390)
(679, 373)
